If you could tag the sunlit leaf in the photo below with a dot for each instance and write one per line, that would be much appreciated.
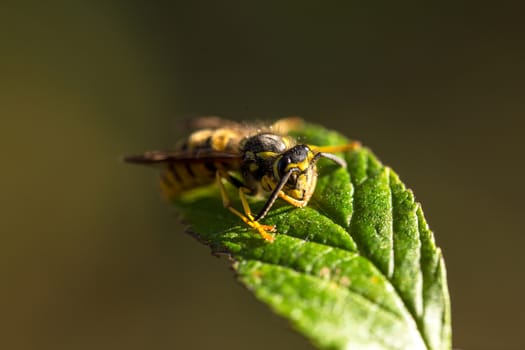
(357, 268)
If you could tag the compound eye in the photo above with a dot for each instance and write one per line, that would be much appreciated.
(283, 163)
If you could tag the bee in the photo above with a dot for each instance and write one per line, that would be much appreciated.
(254, 159)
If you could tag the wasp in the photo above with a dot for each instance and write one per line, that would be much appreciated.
(253, 158)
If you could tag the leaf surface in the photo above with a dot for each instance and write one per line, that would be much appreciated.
(357, 268)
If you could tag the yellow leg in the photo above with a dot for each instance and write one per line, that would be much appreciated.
(248, 211)
(248, 218)
(341, 148)
(295, 202)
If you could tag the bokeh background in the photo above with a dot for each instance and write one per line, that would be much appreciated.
(91, 257)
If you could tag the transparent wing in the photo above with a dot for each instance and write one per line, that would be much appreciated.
(192, 156)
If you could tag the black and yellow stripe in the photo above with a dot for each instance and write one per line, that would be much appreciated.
(200, 157)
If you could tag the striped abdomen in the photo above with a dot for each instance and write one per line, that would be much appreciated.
(198, 158)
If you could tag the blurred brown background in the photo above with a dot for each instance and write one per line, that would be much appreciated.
(91, 257)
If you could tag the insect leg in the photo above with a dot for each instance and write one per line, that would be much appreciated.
(295, 202)
(243, 190)
(340, 148)
(248, 218)
(327, 152)
(248, 211)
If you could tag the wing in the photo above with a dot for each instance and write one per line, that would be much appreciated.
(192, 156)
(282, 126)
(213, 122)
(285, 125)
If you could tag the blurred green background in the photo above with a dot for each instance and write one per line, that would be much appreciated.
(91, 255)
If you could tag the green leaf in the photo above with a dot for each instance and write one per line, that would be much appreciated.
(357, 268)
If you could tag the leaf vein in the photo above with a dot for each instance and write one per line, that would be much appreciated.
(415, 319)
(372, 302)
